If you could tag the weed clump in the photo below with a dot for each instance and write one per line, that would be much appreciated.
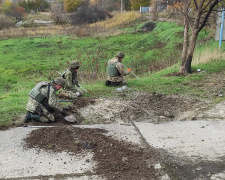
(5, 22)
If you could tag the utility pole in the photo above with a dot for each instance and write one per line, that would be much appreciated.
(221, 29)
(121, 5)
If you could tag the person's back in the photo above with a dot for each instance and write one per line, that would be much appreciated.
(69, 81)
(115, 71)
(112, 71)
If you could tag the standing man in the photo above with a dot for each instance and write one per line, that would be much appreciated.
(70, 77)
(116, 72)
(43, 101)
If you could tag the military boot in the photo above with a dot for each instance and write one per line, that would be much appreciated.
(29, 116)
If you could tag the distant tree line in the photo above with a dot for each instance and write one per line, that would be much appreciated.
(83, 11)
(18, 10)
(107, 5)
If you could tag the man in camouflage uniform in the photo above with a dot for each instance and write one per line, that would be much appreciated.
(116, 72)
(43, 101)
(70, 76)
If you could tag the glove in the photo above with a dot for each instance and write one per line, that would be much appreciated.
(78, 94)
(129, 69)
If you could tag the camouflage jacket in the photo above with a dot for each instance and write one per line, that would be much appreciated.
(71, 80)
(52, 100)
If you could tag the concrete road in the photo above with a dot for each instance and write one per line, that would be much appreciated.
(190, 141)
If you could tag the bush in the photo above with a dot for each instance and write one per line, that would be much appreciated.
(16, 11)
(71, 5)
(30, 5)
(5, 22)
(42, 5)
(88, 14)
(5, 6)
(56, 13)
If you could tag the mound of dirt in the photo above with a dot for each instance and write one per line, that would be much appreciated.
(112, 111)
(154, 107)
(162, 108)
(134, 106)
(115, 159)
(147, 27)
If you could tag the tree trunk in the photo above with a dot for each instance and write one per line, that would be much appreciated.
(188, 64)
(191, 51)
(182, 69)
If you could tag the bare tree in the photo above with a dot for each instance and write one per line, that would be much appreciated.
(56, 12)
(196, 14)
(186, 40)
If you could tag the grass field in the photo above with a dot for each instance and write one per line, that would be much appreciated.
(26, 61)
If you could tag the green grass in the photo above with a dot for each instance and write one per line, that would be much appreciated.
(22, 59)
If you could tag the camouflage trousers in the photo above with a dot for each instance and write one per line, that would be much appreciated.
(117, 79)
(36, 107)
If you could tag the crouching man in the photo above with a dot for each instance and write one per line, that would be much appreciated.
(43, 101)
(70, 77)
(116, 72)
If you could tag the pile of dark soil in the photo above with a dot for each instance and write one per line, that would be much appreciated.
(160, 107)
(147, 27)
(4, 128)
(115, 159)
(82, 102)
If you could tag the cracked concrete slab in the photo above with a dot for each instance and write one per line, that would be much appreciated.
(190, 142)
(190, 139)
(186, 139)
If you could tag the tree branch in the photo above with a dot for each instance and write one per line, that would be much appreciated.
(215, 2)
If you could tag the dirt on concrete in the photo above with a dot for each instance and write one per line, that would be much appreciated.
(115, 159)
(118, 159)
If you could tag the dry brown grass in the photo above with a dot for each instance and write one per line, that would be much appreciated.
(118, 20)
(53, 30)
(43, 16)
(108, 27)
(43, 31)
(95, 31)
(207, 56)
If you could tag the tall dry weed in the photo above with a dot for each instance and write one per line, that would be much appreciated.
(207, 56)
(118, 20)
(43, 31)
